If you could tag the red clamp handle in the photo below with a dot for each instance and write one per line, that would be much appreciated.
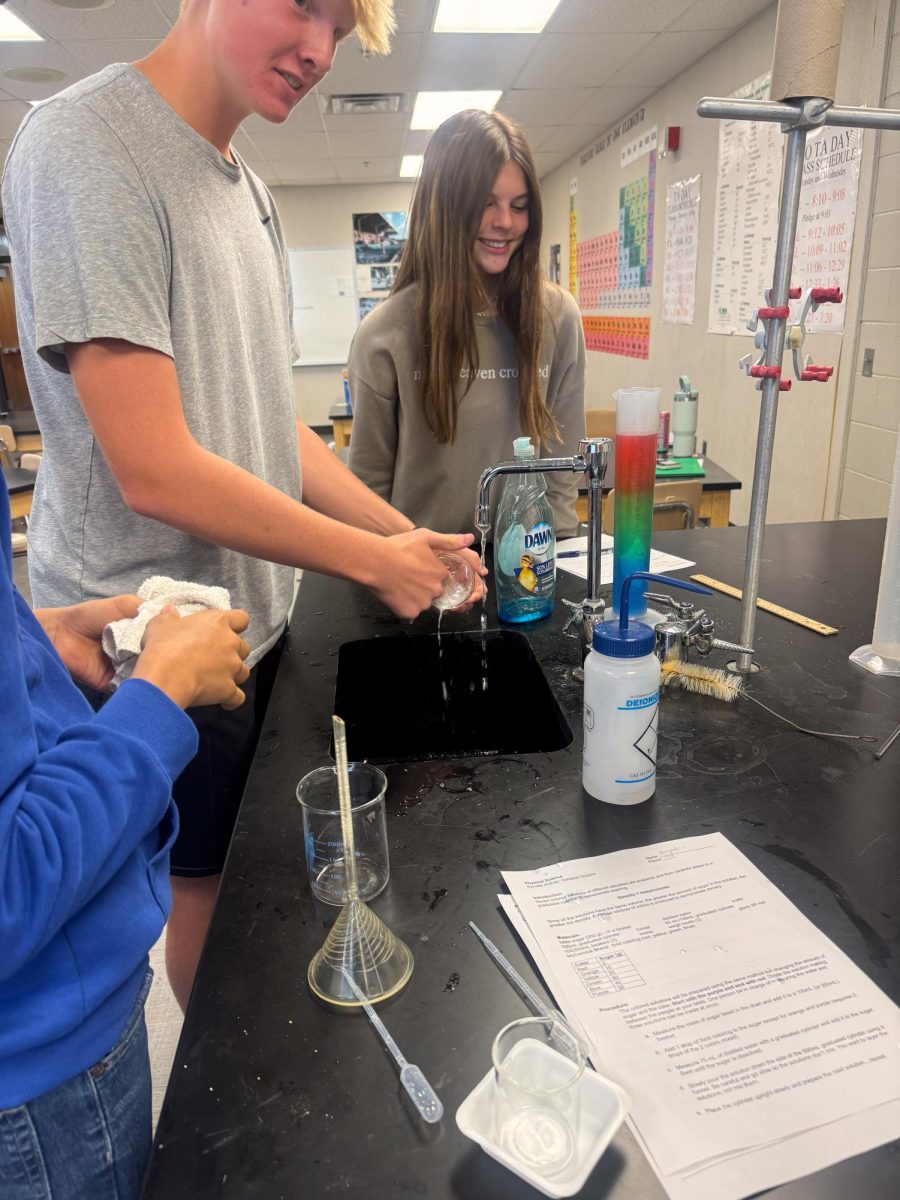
(816, 374)
(784, 385)
(768, 314)
(795, 293)
(758, 372)
(829, 295)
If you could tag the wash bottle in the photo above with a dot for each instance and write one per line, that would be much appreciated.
(621, 703)
(524, 545)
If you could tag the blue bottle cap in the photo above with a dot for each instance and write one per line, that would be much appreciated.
(628, 639)
(634, 639)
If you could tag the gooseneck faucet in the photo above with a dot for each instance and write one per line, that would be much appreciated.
(591, 460)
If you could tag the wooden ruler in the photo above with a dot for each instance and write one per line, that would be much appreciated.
(797, 618)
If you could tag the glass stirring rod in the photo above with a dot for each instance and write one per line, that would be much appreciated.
(417, 1086)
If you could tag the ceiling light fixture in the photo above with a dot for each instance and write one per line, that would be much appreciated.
(431, 108)
(410, 166)
(84, 5)
(14, 29)
(362, 103)
(34, 74)
(500, 16)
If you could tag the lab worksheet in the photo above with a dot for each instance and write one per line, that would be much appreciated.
(572, 556)
(732, 1022)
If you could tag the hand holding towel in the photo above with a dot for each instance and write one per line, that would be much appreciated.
(121, 640)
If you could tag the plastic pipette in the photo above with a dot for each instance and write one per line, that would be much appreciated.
(420, 1091)
(531, 998)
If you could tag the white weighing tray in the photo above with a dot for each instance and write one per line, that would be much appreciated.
(603, 1108)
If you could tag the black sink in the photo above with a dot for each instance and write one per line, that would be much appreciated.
(405, 699)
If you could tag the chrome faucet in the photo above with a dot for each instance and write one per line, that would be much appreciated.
(591, 460)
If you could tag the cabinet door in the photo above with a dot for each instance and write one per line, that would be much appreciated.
(11, 369)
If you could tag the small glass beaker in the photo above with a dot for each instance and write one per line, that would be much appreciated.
(459, 584)
(538, 1066)
(324, 842)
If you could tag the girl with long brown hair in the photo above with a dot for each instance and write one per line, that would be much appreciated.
(474, 347)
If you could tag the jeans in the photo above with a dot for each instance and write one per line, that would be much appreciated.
(89, 1138)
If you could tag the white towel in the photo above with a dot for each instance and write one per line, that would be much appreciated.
(121, 640)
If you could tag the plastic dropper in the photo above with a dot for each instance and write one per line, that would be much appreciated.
(420, 1091)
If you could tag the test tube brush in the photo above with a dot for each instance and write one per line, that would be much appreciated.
(722, 685)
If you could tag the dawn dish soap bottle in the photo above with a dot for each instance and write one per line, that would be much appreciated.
(524, 545)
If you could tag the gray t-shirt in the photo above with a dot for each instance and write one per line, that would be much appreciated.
(126, 223)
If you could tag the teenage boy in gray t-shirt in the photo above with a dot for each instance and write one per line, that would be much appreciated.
(155, 320)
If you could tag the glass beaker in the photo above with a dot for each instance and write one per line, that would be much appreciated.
(459, 584)
(324, 842)
(538, 1066)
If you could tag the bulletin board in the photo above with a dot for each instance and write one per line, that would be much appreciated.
(324, 317)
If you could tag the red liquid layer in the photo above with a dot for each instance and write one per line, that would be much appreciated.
(635, 481)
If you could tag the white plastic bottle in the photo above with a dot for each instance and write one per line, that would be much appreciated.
(621, 705)
(524, 545)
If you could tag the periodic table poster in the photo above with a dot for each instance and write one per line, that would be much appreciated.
(615, 269)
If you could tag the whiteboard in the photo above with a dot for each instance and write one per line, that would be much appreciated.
(324, 315)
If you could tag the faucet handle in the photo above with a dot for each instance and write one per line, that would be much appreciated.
(682, 608)
(583, 616)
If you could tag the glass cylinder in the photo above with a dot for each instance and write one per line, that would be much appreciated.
(637, 428)
(882, 655)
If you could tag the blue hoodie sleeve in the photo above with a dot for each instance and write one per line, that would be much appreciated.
(78, 791)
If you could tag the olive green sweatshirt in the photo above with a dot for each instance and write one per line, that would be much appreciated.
(395, 453)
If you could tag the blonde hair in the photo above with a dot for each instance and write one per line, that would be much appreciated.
(462, 160)
(374, 23)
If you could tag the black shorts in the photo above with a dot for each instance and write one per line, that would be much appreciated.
(208, 791)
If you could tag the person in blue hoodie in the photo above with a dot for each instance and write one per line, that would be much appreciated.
(86, 821)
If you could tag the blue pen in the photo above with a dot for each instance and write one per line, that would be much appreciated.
(581, 553)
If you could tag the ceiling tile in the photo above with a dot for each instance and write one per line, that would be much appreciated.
(608, 104)
(125, 19)
(280, 141)
(365, 122)
(371, 170)
(547, 162)
(94, 56)
(533, 106)
(459, 61)
(539, 135)
(567, 139)
(38, 54)
(414, 16)
(307, 116)
(596, 61)
(612, 16)
(12, 114)
(353, 71)
(298, 171)
(565, 60)
(416, 140)
(719, 14)
(374, 144)
(667, 56)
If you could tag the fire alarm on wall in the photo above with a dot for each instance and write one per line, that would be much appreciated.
(673, 137)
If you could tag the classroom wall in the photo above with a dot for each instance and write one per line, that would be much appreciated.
(874, 416)
(322, 216)
(729, 403)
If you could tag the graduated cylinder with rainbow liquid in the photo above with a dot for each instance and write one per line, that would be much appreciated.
(637, 426)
